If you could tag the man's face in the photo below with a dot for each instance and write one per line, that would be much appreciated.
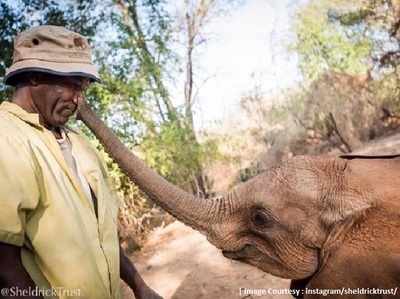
(56, 98)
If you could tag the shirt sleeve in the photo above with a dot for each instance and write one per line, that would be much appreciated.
(19, 191)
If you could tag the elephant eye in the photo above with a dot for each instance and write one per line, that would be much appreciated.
(261, 219)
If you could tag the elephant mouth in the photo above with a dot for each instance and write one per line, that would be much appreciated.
(230, 255)
(249, 253)
(237, 255)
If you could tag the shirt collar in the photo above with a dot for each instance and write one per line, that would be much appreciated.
(31, 118)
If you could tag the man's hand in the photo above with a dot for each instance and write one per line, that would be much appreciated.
(132, 278)
(12, 272)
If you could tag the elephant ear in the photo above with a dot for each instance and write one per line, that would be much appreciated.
(342, 195)
(327, 185)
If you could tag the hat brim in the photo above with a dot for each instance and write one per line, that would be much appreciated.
(55, 68)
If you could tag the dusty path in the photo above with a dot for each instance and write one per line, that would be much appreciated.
(179, 263)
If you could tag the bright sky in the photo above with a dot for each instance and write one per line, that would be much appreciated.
(249, 47)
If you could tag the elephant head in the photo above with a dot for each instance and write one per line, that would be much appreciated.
(281, 221)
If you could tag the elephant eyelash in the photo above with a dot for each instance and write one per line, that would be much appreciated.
(262, 218)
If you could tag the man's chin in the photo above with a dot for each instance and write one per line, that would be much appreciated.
(62, 119)
(59, 122)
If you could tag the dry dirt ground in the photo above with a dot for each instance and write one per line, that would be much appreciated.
(179, 263)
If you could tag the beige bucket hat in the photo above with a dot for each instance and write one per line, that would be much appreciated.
(54, 50)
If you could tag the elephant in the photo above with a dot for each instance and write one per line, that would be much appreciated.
(330, 224)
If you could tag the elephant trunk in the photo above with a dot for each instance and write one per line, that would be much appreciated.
(196, 212)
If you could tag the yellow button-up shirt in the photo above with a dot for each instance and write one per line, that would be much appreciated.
(65, 248)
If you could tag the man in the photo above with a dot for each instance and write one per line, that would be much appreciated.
(58, 215)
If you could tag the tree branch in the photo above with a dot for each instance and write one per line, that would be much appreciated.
(336, 130)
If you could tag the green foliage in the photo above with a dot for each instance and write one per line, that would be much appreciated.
(171, 153)
(323, 45)
(386, 92)
(354, 17)
(349, 55)
(142, 47)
